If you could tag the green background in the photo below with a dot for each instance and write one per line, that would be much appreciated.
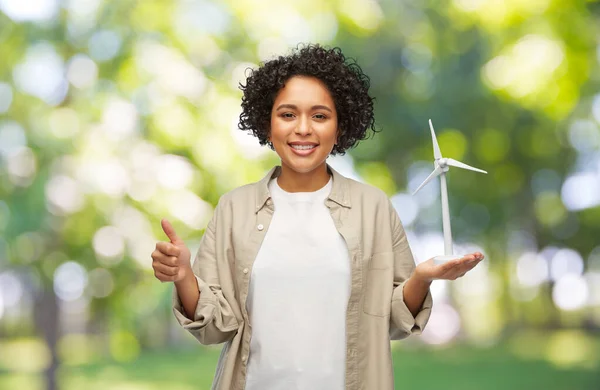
(115, 114)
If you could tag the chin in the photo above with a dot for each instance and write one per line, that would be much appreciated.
(303, 167)
(302, 164)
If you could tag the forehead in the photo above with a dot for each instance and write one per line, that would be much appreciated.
(304, 89)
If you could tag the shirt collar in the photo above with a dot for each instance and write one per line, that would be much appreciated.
(339, 190)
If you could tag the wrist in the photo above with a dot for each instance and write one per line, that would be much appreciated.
(187, 276)
(419, 276)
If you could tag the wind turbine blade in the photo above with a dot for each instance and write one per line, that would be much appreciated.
(436, 148)
(436, 172)
(462, 165)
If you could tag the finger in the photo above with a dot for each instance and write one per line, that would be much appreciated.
(453, 269)
(472, 263)
(171, 261)
(468, 258)
(165, 269)
(467, 266)
(168, 249)
(449, 265)
(164, 278)
(170, 231)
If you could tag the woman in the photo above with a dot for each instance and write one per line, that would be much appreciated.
(305, 275)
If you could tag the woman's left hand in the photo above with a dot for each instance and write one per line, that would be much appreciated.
(450, 270)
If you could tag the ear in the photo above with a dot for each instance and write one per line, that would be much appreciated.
(269, 141)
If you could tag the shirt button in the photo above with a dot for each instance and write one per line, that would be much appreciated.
(245, 270)
(244, 359)
(260, 226)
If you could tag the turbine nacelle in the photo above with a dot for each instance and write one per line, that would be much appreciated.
(443, 164)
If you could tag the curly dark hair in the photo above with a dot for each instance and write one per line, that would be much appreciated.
(345, 80)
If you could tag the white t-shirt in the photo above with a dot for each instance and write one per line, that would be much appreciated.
(297, 298)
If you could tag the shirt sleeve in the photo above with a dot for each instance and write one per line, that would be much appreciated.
(402, 322)
(213, 321)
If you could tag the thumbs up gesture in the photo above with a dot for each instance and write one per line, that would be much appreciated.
(171, 260)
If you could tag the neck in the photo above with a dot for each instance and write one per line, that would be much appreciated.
(292, 181)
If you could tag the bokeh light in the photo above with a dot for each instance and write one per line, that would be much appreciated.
(70, 279)
(82, 71)
(532, 269)
(443, 325)
(104, 45)
(22, 166)
(527, 70)
(570, 292)
(41, 74)
(406, 206)
(30, 10)
(63, 195)
(565, 262)
(109, 245)
(6, 97)
(11, 290)
(189, 208)
(12, 138)
(581, 191)
(584, 135)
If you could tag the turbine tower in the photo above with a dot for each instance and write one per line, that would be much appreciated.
(442, 165)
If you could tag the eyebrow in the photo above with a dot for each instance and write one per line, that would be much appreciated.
(294, 107)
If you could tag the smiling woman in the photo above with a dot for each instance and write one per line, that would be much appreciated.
(307, 106)
(345, 84)
(305, 275)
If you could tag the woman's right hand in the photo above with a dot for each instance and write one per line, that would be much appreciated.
(171, 260)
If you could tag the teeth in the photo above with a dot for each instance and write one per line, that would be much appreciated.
(303, 147)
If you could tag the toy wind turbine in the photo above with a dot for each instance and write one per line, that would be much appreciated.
(442, 165)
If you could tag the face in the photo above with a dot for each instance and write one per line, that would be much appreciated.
(303, 124)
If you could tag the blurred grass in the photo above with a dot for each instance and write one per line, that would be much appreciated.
(459, 367)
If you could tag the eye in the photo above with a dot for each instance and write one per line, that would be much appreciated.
(287, 115)
(320, 116)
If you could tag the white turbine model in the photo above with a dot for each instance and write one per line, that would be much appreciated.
(442, 165)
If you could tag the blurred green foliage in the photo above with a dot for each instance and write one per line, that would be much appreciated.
(115, 114)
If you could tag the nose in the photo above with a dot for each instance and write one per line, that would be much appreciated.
(303, 127)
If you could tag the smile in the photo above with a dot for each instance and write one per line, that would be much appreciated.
(303, 150)
(303, 147)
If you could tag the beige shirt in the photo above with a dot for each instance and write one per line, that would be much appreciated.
(381, 261)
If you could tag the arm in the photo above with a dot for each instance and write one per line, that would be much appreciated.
(199, 304)
(188, 292)
(415, 291)
(411, 298)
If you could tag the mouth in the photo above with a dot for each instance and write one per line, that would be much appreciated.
(303, 150)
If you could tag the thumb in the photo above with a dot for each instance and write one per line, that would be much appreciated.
(170, 232)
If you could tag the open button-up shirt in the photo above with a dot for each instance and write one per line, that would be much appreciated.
(381, 262)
